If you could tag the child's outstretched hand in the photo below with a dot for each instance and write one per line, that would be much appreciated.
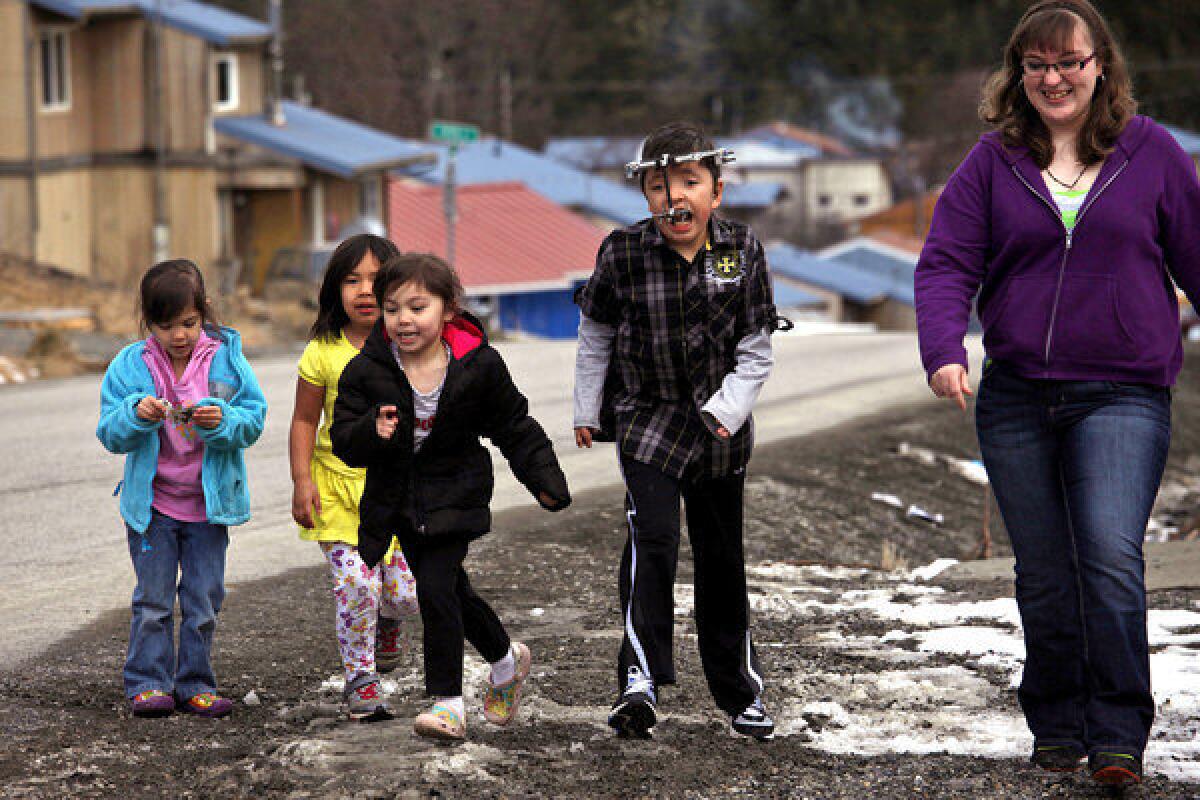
(151, 409)
(207, 417)
(583, 437)
(385, 422)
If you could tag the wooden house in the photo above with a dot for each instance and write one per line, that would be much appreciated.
(143, 129)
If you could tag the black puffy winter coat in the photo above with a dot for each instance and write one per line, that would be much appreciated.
(445, 488)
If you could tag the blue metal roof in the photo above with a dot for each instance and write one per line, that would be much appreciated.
(785, 143)
(788, 296)
(323, 141)
(755, 194)
(1189, 141)
(853, 283)
(493, 160)
(213, 24)
(877, 263)
(592, 153)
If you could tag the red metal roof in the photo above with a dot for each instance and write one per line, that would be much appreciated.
(508, 237)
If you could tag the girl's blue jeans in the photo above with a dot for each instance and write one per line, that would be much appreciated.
(1075, 466)
(188, 559)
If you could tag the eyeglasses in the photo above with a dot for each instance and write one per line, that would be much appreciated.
(1037, 69)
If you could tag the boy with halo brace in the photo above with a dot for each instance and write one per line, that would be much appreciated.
(674, 347)
(181, 405)
(370, 603)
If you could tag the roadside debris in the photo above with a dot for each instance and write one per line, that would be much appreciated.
(971, 469)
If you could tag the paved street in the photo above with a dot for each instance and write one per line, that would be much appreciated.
(64, 551)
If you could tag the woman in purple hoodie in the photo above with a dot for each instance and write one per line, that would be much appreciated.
(1072, 220)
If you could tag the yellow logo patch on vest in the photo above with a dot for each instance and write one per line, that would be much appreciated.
(726, 266)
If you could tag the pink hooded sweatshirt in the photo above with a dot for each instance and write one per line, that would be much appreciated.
(178, 490)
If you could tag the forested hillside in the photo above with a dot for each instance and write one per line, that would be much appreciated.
(882, 74)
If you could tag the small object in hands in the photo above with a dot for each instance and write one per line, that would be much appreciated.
(180, 415)
(916, 512)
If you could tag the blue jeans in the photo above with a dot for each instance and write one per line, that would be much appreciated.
(1075, 466)
(183, 557)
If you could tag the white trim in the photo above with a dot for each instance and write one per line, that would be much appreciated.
(629, 630)
(517, 288)
(62, 66)
(750, 665)
(231, 103)
(868, 243)
(317, 204)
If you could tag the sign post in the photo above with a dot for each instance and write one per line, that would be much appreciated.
(453, 134)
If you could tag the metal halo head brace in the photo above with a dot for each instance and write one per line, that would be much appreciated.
(720, 155)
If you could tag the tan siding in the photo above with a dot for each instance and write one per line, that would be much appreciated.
(13, 124)
(192, 217)
(14, 217)
(184, 97)
(69, 133)
(122, 247)
(250, 81)
(118, 89)
(64, 211)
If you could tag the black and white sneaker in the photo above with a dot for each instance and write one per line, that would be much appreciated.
(633, 715)
(754, 721)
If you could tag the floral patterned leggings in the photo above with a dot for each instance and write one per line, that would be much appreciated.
(363, 595)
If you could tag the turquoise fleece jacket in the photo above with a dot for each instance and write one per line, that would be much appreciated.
(243, 412)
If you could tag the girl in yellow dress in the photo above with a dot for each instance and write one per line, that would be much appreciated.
(326, 493)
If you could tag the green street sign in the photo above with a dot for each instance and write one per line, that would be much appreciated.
(453, 132)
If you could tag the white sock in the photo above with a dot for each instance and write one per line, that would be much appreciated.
(504, 669)
(455, 703)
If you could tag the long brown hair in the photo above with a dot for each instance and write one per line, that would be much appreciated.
(1051, 24)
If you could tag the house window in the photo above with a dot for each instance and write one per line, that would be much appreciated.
(56, 71)
(824, 201)
(861, 200)
(225, 82)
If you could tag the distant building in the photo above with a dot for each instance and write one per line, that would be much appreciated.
(1188, 140)
(906, 223)
(519, 255)
(854, 286)
(137, 127)
(818, 186)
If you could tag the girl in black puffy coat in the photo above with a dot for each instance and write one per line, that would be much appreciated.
(411, 408)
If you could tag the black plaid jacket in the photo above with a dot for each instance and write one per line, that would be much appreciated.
(677, 329)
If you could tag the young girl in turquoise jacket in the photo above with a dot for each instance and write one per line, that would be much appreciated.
(181, 405)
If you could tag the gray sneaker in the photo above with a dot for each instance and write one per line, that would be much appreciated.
(365, 701)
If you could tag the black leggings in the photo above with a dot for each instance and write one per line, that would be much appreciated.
(450, 610)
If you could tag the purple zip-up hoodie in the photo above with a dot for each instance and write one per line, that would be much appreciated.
(1096, 303)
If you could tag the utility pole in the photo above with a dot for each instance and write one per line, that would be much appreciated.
(275, 53)
(161, 236)
(506, 104)
(450, 202)
(452, 134)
